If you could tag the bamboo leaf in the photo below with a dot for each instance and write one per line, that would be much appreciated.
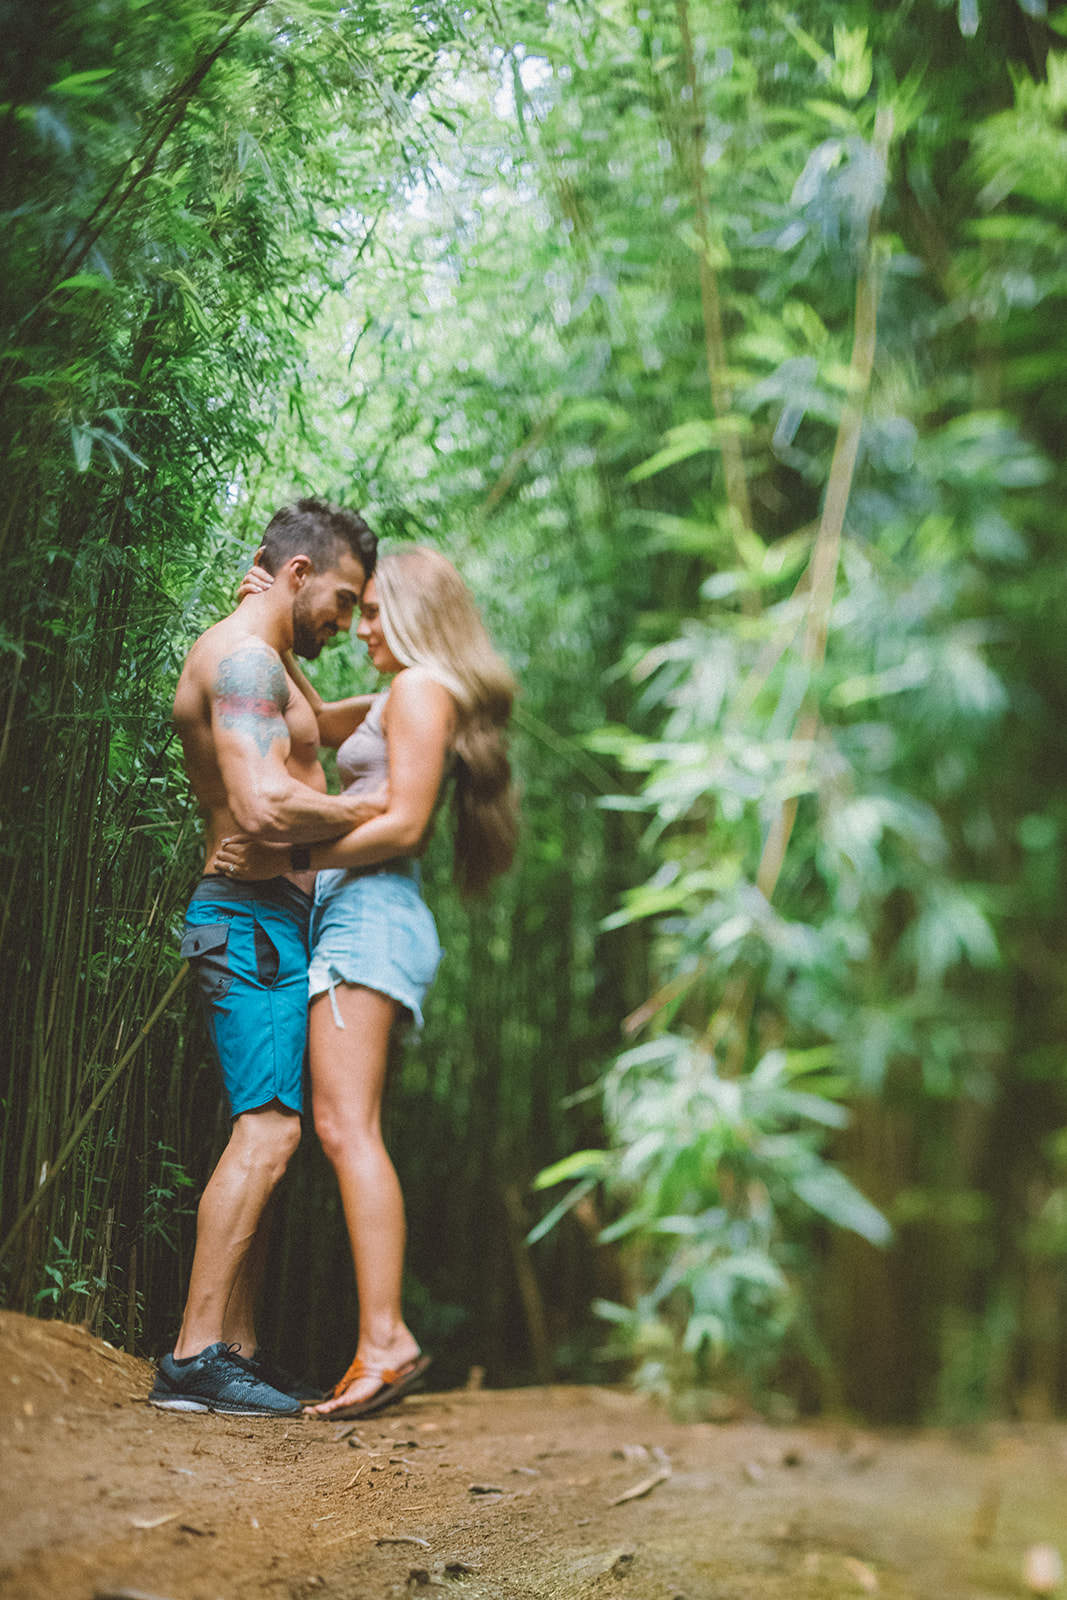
(829, 1192)
(88, 280)
(82, 85)
(82, 440)
(559, 1211)
(581, 1164)
(688, 439)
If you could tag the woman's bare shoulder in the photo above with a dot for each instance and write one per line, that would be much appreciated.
(417, 694)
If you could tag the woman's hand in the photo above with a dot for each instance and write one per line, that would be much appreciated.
(255, 581)
(250, 860)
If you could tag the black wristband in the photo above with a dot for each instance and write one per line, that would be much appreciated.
(300, 857)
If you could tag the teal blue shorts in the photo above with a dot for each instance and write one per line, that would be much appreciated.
(247, 944)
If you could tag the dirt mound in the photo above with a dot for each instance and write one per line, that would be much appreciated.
(49, 1367)
(537, 1494)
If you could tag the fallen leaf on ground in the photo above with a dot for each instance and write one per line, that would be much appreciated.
(1042, 1569)
(646, 1485)
(864, 1575)
(351, 1434)
(125, 1594)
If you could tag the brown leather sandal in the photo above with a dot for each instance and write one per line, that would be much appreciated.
(394, 1384)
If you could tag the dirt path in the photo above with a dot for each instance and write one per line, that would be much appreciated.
(493, 1496)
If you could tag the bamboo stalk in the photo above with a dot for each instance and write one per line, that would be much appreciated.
(714, 339)
(112, 1078)
(116, 195)
(570, 750)
(94, 1305)
(821, 579)
(529, 1289)
(131, 1302)
(518, 459)
(827, 549)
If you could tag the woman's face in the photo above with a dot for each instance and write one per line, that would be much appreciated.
(370, 631)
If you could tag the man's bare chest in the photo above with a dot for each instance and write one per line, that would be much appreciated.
(303, 728)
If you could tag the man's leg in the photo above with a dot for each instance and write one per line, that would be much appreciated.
(228, 1220)
(239, 1325)
(250, 957)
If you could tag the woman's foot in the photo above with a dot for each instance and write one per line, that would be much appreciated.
(374, 1380)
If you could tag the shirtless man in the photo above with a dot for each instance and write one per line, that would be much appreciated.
(251, 752)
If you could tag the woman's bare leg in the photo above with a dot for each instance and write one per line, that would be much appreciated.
(348, 1075)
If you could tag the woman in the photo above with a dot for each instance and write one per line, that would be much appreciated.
(374, 944)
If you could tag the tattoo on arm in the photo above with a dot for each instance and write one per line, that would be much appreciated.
(251, 695)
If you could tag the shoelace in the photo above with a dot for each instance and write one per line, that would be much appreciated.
(242, 1370)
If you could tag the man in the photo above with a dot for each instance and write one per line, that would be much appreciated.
(251, 752)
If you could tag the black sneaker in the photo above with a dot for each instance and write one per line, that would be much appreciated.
(267, 1370)
(218, 1380)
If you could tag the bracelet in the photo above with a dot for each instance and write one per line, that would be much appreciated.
(300, 857)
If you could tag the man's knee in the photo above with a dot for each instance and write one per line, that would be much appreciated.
(288, 1137)
(268, 1137)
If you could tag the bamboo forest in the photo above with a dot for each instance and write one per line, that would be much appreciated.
(719, 346)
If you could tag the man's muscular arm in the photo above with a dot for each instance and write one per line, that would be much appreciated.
(249, 695)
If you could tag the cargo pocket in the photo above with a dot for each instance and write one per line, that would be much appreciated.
(204, 947)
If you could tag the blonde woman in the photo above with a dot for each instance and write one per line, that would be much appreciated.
(374, 944)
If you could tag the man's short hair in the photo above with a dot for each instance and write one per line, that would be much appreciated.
(320, 531)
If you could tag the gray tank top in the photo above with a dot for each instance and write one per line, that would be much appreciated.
(363, 759)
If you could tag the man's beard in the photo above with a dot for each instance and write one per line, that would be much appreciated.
(307, 641)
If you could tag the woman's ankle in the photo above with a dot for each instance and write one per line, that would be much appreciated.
(398, 1341)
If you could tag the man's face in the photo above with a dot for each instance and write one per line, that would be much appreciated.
(326, 604)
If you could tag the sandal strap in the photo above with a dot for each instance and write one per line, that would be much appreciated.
(363, 1369)
(355, 1371)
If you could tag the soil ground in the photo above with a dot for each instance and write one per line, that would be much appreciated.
(491, 1496)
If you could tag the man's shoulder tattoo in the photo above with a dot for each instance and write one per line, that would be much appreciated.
(251, 694)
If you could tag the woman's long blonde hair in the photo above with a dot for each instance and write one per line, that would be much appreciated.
(429, 620)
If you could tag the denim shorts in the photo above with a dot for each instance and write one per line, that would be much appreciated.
(373, 928)
(247, 944)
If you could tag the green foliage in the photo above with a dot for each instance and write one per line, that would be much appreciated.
(834, 852)
(622, 307)
(713, 1171)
